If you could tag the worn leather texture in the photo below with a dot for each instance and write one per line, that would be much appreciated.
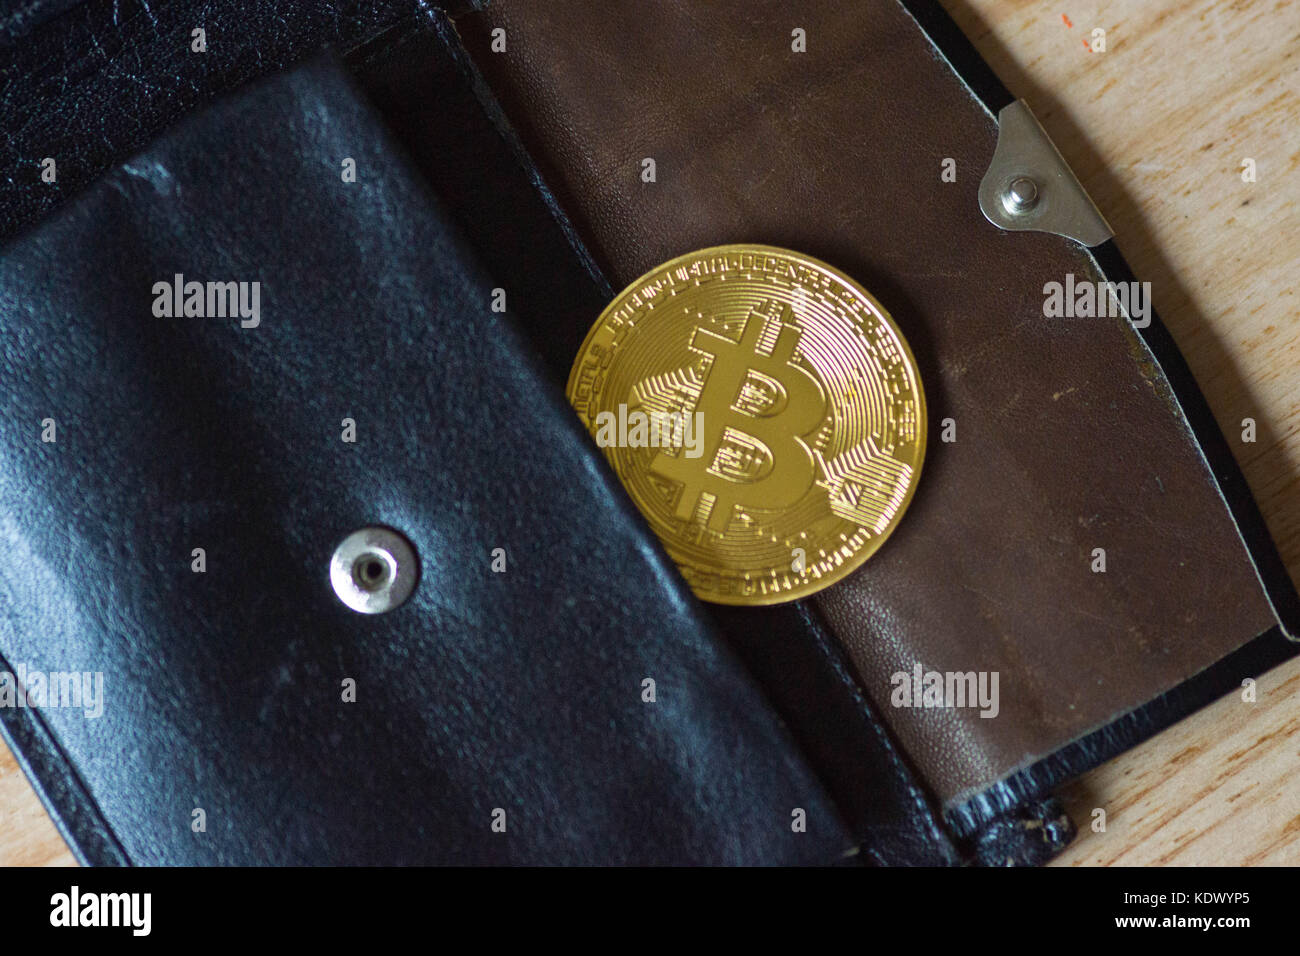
(519, 690)
(89, 83)
(1068, 437)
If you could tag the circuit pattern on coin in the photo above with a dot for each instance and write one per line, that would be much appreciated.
(763, 412)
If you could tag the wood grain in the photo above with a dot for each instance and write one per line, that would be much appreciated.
(1157, 128)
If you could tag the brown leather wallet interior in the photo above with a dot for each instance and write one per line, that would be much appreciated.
(1067, 437)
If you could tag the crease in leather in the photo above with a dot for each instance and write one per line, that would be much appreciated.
(23, 16)
(223, 688)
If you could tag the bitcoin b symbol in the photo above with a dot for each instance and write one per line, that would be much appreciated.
(757, 406)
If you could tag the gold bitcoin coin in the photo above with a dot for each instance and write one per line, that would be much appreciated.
(764, 413)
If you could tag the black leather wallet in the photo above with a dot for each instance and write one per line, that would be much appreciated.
(551, 692)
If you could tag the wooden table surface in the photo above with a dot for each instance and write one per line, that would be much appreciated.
(1156, 127)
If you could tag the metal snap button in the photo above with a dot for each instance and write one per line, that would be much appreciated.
(1021, 196)
(374, 570)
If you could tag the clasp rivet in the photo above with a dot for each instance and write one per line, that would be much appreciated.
(1020, 196)
(374, 570)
